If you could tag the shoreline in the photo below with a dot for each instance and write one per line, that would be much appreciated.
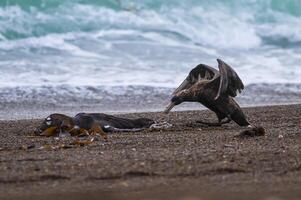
(34, 114)
(29, 103)
(189, 159)
(197, 107)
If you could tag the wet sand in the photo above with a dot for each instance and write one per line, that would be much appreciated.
(188, 161)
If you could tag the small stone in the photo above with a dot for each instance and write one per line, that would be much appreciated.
(124, 184)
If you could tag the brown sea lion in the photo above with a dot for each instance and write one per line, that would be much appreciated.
(215, 90)
(90, 123)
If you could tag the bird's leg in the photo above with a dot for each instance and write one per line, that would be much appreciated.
(219, 123)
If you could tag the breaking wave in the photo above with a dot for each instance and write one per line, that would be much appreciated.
(146, 43)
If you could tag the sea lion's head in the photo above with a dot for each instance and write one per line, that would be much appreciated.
(54, 123)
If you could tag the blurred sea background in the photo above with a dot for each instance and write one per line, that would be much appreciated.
(128, 55)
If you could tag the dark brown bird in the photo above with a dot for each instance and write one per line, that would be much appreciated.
(215, 90)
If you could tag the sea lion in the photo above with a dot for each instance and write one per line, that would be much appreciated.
(90, 123)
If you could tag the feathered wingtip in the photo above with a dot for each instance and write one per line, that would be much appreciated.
(230, 82)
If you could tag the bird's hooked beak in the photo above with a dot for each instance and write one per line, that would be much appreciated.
(169, 107)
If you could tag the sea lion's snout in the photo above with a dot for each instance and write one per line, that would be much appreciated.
(41, 129)
(52, 124)
(43, 126)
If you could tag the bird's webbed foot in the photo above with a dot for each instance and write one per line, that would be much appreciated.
(219, 123)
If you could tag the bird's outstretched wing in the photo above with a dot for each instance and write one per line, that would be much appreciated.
(229, 82)
(200, 72)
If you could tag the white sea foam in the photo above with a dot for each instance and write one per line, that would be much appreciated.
(84, 44)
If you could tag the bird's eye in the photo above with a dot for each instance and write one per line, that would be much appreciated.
(175, 99)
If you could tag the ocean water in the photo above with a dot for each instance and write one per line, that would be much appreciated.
(58, 48)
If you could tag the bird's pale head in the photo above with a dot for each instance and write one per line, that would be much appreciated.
(177, 99)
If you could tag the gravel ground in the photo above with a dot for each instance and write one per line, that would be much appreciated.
(187, 161)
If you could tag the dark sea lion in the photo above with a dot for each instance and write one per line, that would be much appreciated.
(90, 123)
(111, 123)
(215, 90)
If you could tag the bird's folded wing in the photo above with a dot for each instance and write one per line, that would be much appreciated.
(200, 72)
(229, 81)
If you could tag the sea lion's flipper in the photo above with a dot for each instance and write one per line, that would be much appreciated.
(113, 129)
(215, 124)
(50, 131)
(96, 129)
(229, 81)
